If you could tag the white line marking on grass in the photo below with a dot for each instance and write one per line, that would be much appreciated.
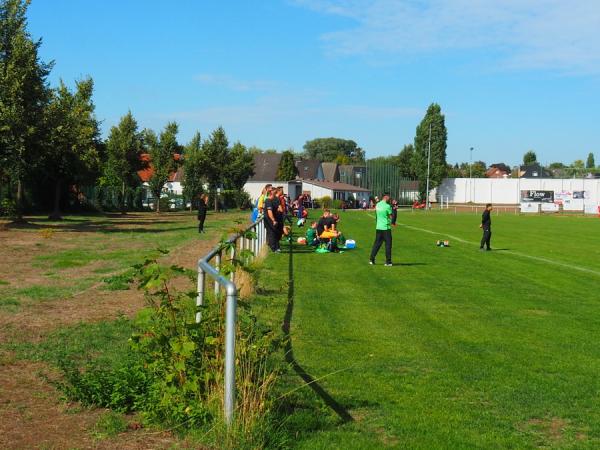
(509, 252)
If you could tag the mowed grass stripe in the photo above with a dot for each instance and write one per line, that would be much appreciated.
(522, 255)
(451, 347)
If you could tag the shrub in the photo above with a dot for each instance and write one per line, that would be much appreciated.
(325, 202)
(172, 373)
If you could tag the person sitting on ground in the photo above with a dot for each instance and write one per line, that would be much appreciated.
(311, 235)
(340, 239)
(326, 226)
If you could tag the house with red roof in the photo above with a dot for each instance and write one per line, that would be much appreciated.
(174, 184)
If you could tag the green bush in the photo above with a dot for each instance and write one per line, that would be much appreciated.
(325, 202)
(172, 371)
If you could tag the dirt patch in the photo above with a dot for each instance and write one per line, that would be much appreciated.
(553, 430)
(33, 416)
(32, 412)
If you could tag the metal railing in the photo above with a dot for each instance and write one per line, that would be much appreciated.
(254, 242)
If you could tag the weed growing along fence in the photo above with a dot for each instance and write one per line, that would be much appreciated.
(171, 371)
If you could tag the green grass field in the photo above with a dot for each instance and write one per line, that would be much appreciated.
(451, 347)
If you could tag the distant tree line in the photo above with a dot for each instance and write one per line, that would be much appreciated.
(52, 156)
(478, 169)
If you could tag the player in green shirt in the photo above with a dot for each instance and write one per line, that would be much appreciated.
(383, 230)
(311, 234)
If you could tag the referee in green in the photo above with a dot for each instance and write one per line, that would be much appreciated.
(383, 230)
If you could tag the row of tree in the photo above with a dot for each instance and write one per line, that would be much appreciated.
(478, 169)
(50, 138)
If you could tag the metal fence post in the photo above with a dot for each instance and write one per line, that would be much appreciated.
(233, 253)
(205, 268)
(218, 268)
(200, 297)
(230, 316)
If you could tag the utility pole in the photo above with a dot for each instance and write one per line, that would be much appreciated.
(428, 166)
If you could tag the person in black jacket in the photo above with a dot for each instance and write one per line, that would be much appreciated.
(486, 225)
(394, 212)
(202, 208)
(272, 219)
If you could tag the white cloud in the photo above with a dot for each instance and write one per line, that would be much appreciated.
(553, 34)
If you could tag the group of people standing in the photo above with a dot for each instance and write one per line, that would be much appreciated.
(273, 205)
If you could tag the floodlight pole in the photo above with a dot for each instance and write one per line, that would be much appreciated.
(428, 166)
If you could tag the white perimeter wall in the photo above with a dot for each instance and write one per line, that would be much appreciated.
(507, 190)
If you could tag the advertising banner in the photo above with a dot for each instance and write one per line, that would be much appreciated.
(530, 207)
(532, 196)
(550, 207)
(573, 204)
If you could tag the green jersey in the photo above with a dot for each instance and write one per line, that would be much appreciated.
(383, 212)
(311, 235)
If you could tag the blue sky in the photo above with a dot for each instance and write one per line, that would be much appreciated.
(510, 75)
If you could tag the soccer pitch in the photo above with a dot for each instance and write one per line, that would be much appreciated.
(450, 347)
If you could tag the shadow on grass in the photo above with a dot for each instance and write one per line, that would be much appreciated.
(289, 351)
(97, 226)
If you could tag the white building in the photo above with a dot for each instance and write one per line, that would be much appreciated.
(334, 189)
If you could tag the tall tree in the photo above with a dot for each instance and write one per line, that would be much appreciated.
(162, 158)
(478, 169)
(287, 168)
(215, 158)
(329, 149)
(240, 167)
(454, 171)
(590, 163)
(405, 161)
(24, 95)
(193, 180)
(124, 149)
(434, 120)
(529, 158)
(72, 138)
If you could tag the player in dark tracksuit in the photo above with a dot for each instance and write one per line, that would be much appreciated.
(202, 208)
(271, 220)
(486, 225)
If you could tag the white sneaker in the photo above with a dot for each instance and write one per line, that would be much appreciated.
(388, 264)
(372, 262)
